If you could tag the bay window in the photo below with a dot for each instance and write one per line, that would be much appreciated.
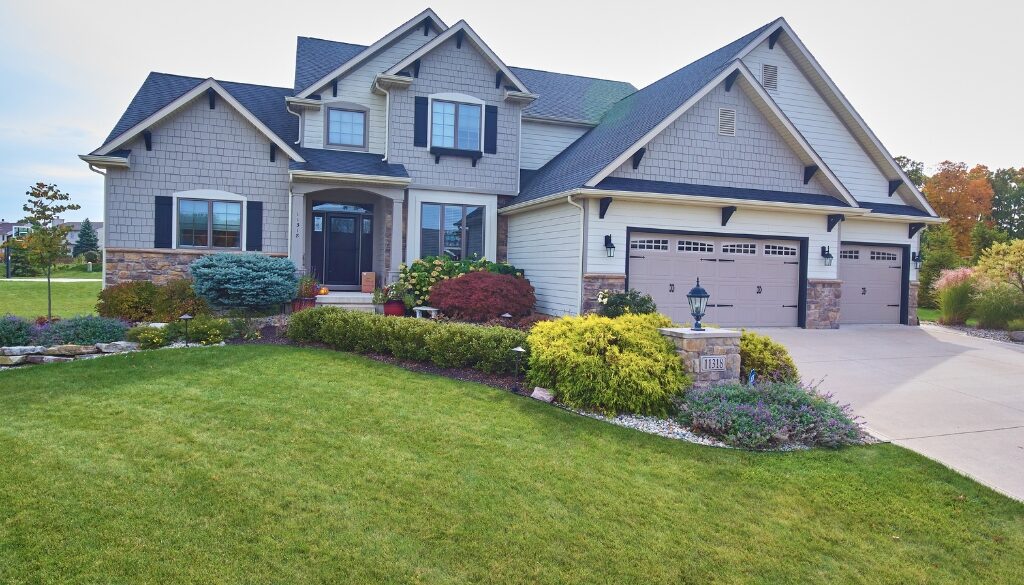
(209, 224)
(452, 231)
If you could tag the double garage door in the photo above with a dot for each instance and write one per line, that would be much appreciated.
(751, 282)
(872, 283)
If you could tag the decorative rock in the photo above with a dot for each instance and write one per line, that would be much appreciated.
(21, 350)
(542, 394)
(12, 360)
(1017, 336)
(117, 347)
(47, 359)
(70, 350)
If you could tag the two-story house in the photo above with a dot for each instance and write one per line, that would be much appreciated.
(747, 168)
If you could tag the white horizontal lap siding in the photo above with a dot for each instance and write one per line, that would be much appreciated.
(818, 123)
(355, 88)
(545, 243)
(542, 141)
(881, 232)
(666, 216)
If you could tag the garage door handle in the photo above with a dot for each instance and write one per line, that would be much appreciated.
(759, 289)
(671, 288)
(863, 290)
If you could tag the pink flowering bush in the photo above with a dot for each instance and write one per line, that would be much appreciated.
(954, 277)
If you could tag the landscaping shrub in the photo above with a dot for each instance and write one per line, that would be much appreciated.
(86, 330)
(954, 289)
(479, 296)
(131, 301)
(203, 330)
(244, 280)
(618, 303)
(767, 357)
(1003, 262)
(175, 299)
(14, 331)
(450, 345)
(769, 415)
(613, 365)
(147, 337)
(996, 305)
(1015, 325)
(418, 277)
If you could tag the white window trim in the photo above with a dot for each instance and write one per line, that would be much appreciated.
(457, 98)
(209, 195)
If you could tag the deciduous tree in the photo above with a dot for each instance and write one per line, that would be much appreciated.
(1004, 262)
(1008, 201)
(964, 196)
(913, 169)
(47, 242)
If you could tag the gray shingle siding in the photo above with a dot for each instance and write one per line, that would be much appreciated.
(198, 148)
(447, 69)
(690, 150)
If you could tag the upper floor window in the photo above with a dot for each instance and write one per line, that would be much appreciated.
(456, 125)
(346, 128)
(209, 224)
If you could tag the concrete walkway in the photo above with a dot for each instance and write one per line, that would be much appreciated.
(33, 279)
(951, 397)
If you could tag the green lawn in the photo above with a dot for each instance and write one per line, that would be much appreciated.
(933, 315)
(261, 464)
(28, 299)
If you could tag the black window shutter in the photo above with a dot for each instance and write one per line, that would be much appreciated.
(254, 226)
(491, 130)
(163, 221)
(420, 131)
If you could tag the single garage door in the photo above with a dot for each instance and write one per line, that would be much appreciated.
(872, 278)
(751, 282)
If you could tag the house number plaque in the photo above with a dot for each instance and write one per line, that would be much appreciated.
(712, 363)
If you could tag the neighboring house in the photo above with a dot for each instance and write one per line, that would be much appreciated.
(745, 168)
(10, 230)
(17, 230)
(76, 228)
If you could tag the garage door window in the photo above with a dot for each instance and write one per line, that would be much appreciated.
(886, 256)
(739, 248)
(693, 246)
(849, 255)
(776, 250)
(652, 244)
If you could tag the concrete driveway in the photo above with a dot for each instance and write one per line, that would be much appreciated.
(953, 398)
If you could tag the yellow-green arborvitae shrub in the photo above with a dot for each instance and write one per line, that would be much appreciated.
(769, 358)
(612, 365)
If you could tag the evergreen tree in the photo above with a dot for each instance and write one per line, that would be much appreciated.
(87, 239)
(983, 236)
(938, 246)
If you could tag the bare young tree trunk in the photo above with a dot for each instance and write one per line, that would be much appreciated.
(49, 297)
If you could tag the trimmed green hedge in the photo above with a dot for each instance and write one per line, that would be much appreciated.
(448, 345)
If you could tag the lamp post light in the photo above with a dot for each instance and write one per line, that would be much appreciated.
(826, 253)
(519, 351)
(918, 259)
(698, 299)
(186, 318)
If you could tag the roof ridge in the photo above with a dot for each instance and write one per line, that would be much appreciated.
(193, 77)
(332, 41)
(572, 75)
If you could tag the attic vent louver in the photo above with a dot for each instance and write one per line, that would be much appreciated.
(727, 122)
(770, 77)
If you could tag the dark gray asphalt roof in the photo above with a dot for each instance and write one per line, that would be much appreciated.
(684, 189)
(160, 89)
(570, 97)
(340, 161)
(315, 58)
(894, 209)
(628, 121)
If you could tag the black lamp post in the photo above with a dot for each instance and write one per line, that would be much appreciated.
(826, 253)
(918, 259)
(186, 318)
(698, 299)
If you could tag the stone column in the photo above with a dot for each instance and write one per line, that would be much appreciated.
(711, 356)
(823, 300)
(594, 283)
(912, 304)
(397, 252)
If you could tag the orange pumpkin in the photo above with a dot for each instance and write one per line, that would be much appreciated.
(324, 290)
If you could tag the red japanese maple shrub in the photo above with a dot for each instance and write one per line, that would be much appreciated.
(480, 296)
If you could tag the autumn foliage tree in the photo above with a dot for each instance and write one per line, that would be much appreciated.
(964, 196)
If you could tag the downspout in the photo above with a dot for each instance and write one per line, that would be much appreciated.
(387, 117)
(103, 265)
(583, 238)
(301, 122)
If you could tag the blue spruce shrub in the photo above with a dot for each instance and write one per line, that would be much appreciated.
(244, 280)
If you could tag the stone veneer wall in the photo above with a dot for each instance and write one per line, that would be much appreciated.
(156, 266)
(691, 345)
(912, 304)
(594, 283)
(823, 303)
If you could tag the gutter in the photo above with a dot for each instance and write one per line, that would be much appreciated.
(350, 178)
(96, 160)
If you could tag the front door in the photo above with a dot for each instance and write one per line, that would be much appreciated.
(342, 245)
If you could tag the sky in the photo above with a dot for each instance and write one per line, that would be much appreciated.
(934, 80)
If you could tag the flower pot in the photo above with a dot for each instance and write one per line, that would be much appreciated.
(303, 303)
(394, 308)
